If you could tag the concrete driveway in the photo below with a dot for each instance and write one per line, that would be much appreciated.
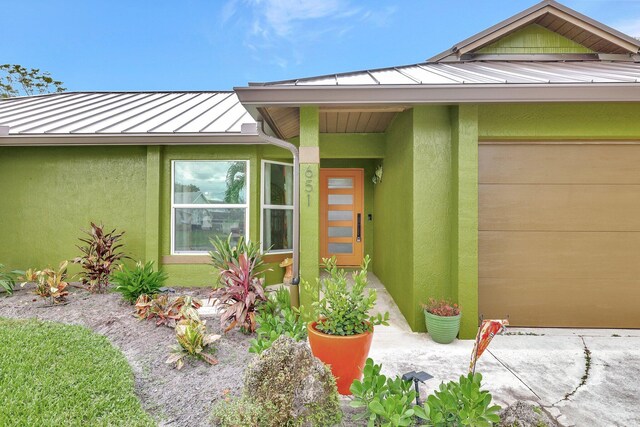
(584, 377)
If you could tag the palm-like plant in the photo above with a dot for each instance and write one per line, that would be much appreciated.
(235, 181)
(225, 252)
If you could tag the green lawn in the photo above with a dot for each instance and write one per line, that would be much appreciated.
(60, 375)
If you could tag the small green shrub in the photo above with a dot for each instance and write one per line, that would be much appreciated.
(344, 309)
(275, 318)
(386, 402)
(462, 402)
(141, 280)
(8, 279)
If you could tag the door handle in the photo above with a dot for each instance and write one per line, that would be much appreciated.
(359, 225)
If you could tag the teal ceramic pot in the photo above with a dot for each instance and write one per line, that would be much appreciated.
(442, 329)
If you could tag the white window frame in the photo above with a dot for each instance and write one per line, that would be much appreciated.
(244, 206)
(264, 206)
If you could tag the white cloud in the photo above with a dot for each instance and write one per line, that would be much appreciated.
(292, 19)
(284, 17)
(284, 29)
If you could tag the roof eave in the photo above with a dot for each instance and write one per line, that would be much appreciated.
(293, 96)
(23, 140)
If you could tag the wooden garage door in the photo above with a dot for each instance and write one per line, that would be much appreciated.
(559, 234)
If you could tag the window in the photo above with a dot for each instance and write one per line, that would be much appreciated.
(208, 199)
(277, 206)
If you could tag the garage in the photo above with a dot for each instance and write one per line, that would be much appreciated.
(559, 233)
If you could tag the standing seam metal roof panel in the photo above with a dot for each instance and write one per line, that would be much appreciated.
(481, 72)
(113, 113)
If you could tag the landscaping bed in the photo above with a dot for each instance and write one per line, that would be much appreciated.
(248, 364)
(172, 397)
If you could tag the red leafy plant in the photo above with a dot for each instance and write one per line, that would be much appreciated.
(100, 254)
(165, 311)
(241, 289)
(442, 307)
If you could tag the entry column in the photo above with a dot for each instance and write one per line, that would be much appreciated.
(309, 196)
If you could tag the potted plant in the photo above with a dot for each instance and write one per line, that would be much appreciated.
(341, 336)
(442, 318)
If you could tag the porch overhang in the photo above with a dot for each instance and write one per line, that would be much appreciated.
(279, 105)
(390, 95)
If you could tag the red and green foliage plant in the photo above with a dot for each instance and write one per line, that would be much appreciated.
(49, 283)
(241, 287)
(193, 341)
(101, 252)
(443, 307)
(166, 311)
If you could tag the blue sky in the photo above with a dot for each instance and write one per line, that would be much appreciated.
(219, 44)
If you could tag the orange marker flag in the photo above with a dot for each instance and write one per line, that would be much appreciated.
(488, 330)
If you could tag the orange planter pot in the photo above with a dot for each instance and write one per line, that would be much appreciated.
(345, 355)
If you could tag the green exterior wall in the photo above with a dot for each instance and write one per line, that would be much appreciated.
(534, 39)
(430, 183)
(352, 145)
(154, 194)
(432, 201)
(50, 194)
(606, 121)
(464, 224)
(392, 212)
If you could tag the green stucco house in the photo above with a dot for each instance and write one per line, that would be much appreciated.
(510, 174)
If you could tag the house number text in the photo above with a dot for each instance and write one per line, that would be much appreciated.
(308, 184)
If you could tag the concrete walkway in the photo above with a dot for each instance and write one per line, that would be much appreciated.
(542, 365)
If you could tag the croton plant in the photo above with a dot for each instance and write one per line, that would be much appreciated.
(101, 251)
(50, 284)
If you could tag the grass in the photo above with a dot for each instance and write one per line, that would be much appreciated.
(53, 374)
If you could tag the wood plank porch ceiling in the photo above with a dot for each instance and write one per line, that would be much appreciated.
(285, 121)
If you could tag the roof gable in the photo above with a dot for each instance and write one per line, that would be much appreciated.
(553, 17)
(534, 39)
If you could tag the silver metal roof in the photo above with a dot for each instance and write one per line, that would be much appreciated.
(125, 113)
(481, 72)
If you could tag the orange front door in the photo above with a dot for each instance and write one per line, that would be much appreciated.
(342, 215)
